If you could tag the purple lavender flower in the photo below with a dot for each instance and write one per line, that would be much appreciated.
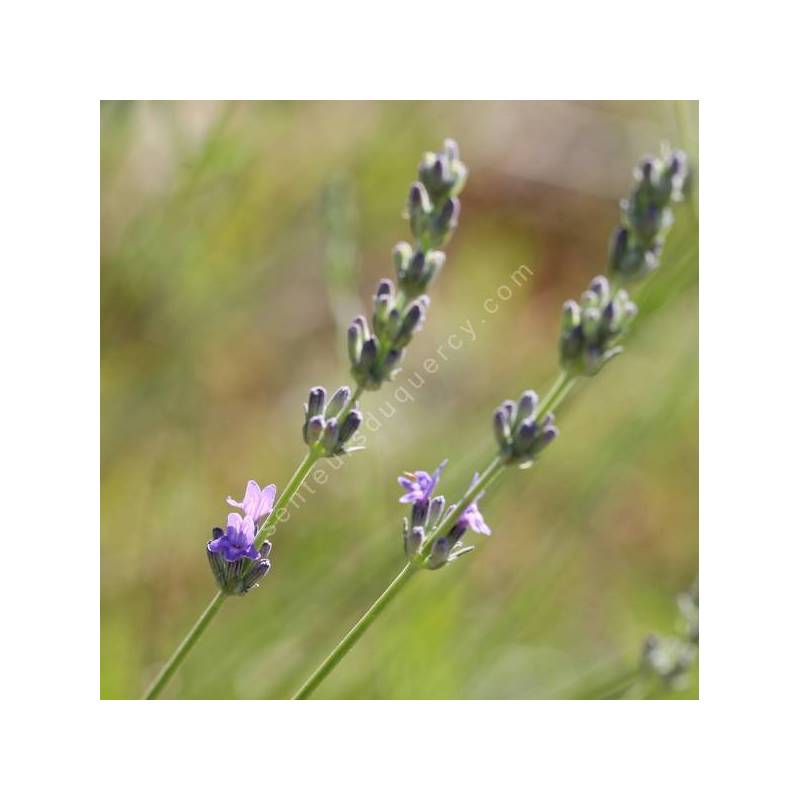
(240, 576)
(236, 541)
(257, 502)
(420, 485)
(471, 516)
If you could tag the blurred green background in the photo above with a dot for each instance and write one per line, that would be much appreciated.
(238, 240)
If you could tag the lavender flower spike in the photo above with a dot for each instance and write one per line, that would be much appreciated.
(257, 502)
(236, 542)
(420, 485)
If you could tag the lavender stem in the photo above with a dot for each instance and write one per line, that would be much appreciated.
(184, 647)
(355, 633)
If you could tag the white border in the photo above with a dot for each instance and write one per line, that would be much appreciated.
(59, 59)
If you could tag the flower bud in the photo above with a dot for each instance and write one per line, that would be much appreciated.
(447, 220)
(450, 149)
(385, 286)
(313, 430)
(526, 435)
(502, 429)
(384, 305)
(426, 166)
(401, 255)
(369, 353)
(419, 512)
(545, 437)
(413, 541)
(316, 401)
(590, 323)
(410, 323)
(439, 553)
(599, 285)
(570, 316)
(434, 261)
(419, 209)
(339, 400)
(330, 436)
(350, 425)
(355, 341)
(527, 404)
(436, 509)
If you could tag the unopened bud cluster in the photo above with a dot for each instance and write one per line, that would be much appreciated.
(323, 427)
(420, 525)
(375, 356)
(240, 576)
(432, 211)
(520, 436)
(669, 658)
(433, 205)
(646, 215)
(591, 329)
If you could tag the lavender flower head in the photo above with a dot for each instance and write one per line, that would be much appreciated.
(257, 502)
(448, 548)
(420, 485)
(237, 540)
(232, 553)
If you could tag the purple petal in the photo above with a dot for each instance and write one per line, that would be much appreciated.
(267, 498)
(249, 530)
(252, 494)
(438, 471)
(479, 524)
(231, 553)
(252, 553)
(234, 533)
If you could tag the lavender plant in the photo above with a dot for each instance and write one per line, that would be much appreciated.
(664, 664)
(666, 660)
(239, 553)
(591, 332)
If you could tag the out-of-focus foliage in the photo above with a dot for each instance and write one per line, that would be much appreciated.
(238, 240)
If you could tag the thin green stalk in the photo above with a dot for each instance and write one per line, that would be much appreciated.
(355, 633)
(295, 482)
(556, 394)
(175, 660)
(184, 647)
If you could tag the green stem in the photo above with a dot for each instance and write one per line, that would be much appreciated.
(355, 633)
(295, 482)
(184, 647)
(556, 394)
